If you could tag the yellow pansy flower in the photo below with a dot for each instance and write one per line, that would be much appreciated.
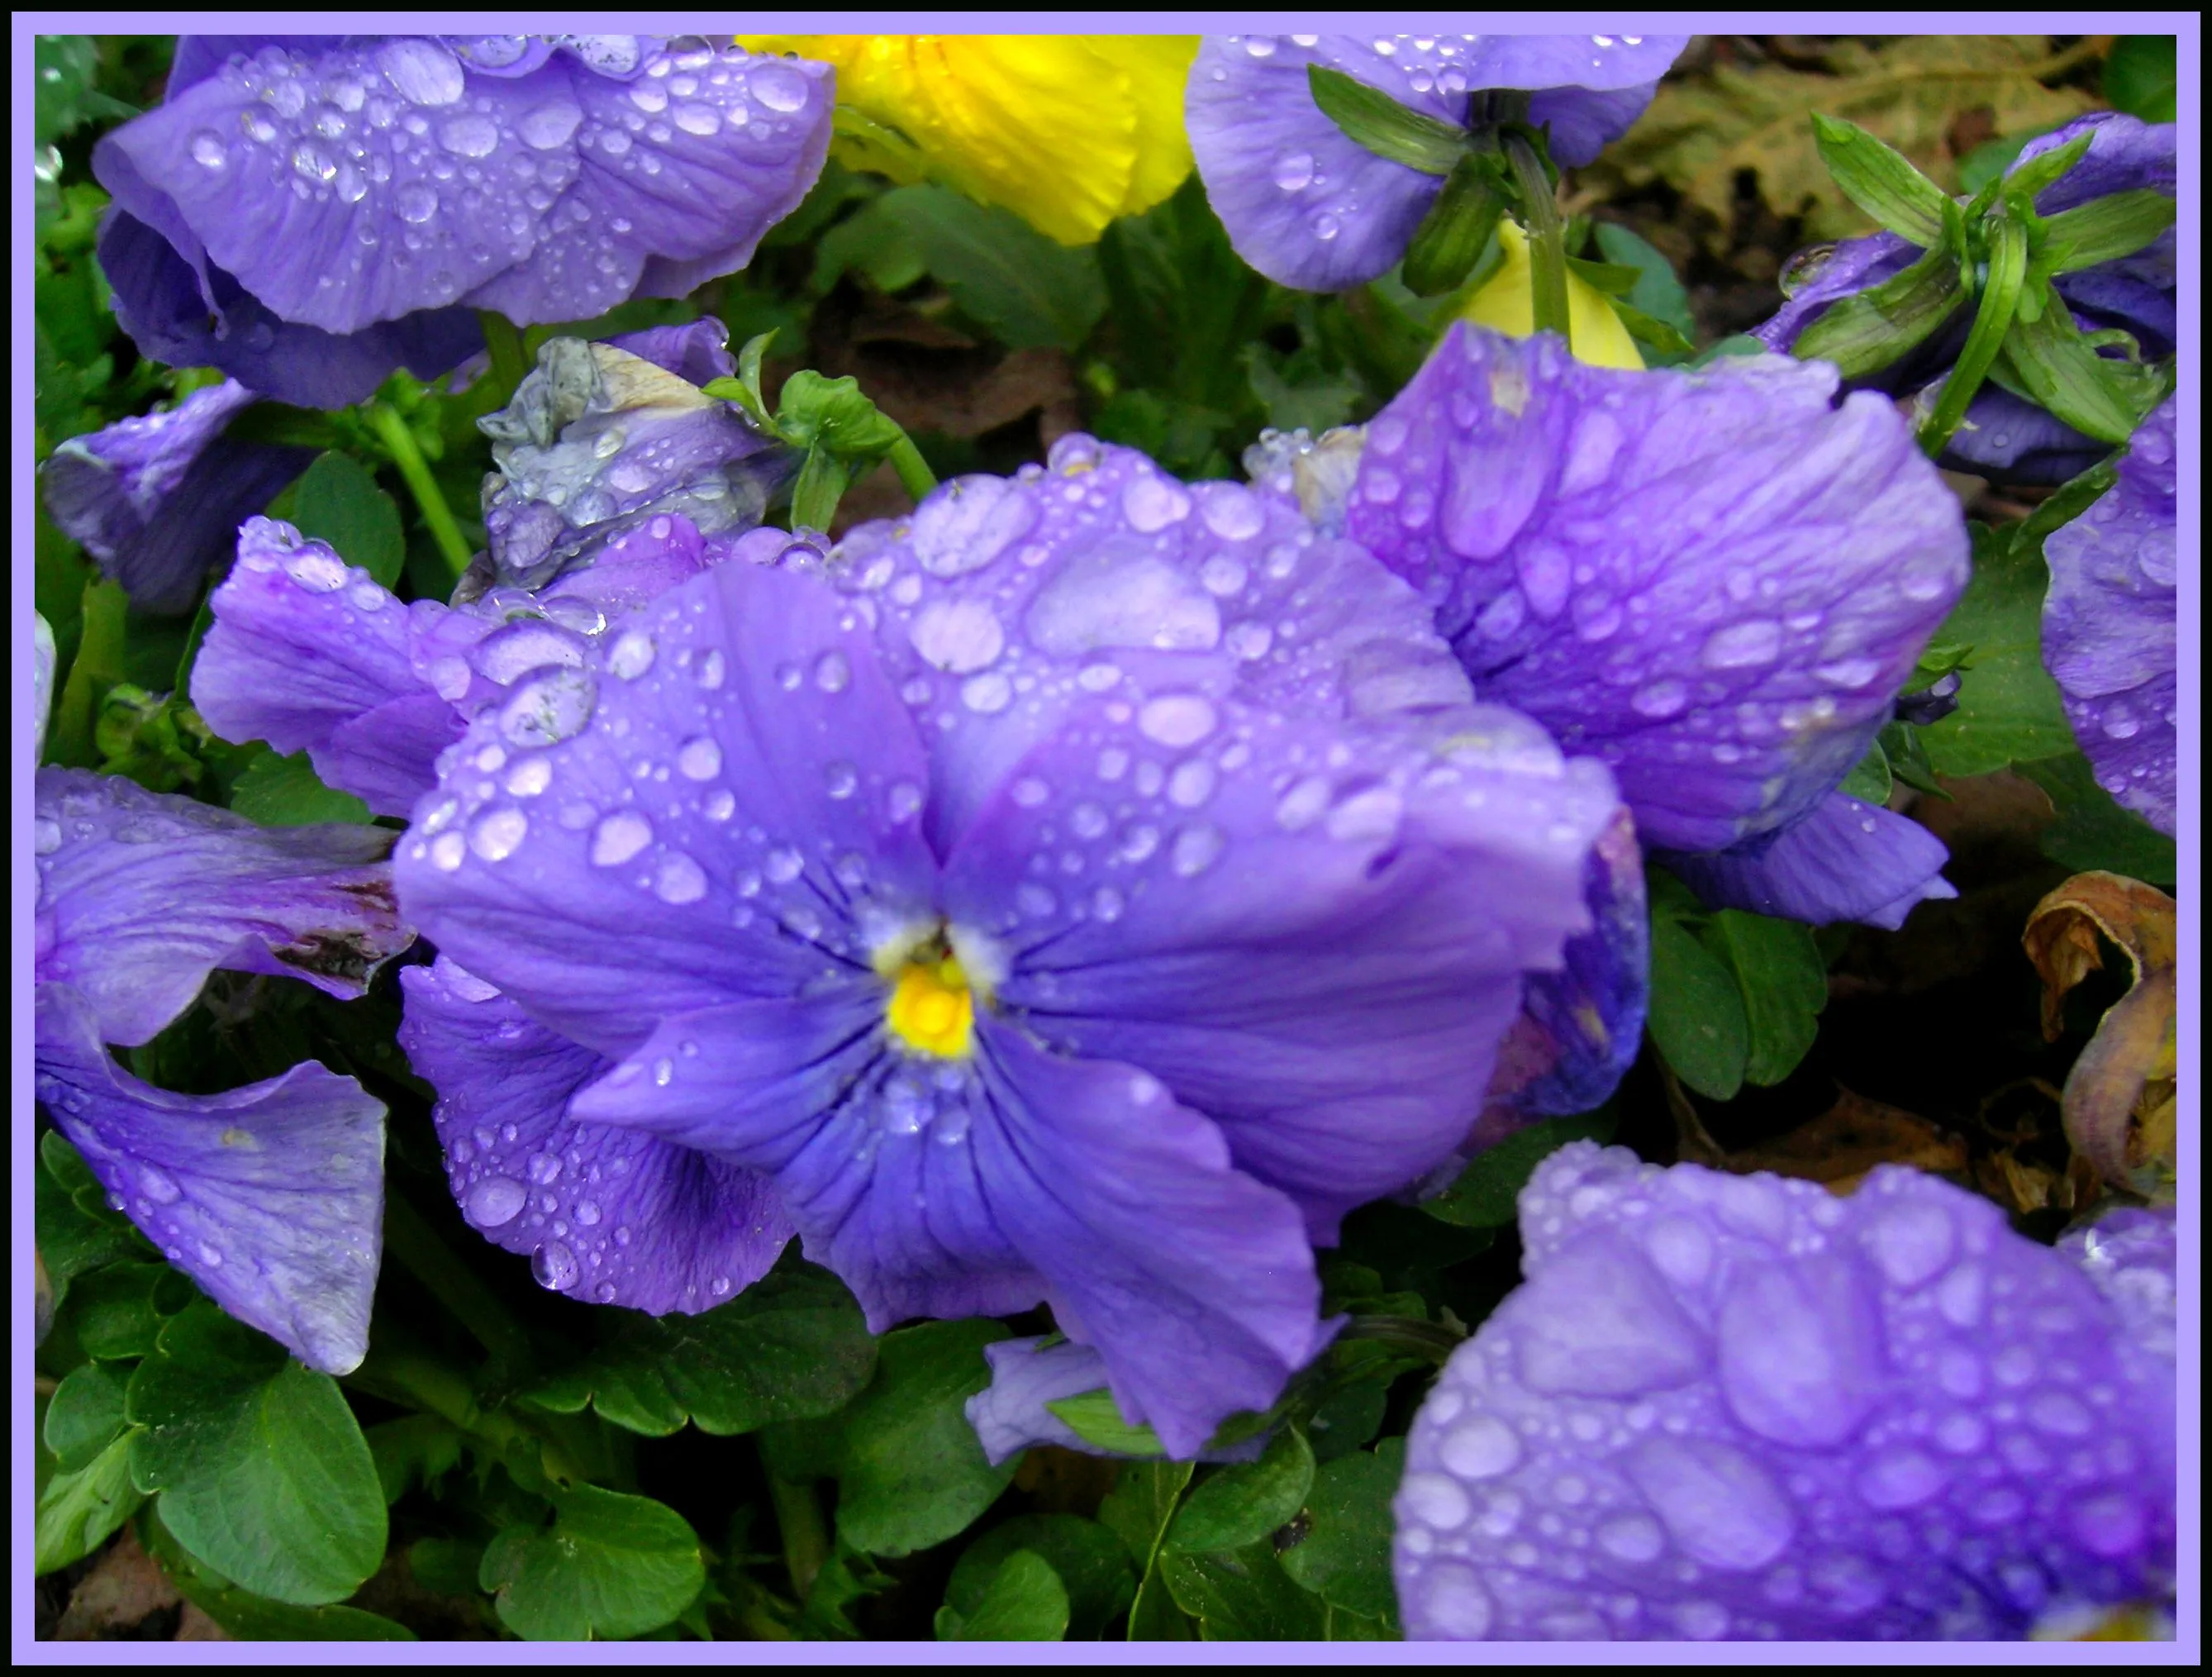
(1068, 131)
(1506, 302)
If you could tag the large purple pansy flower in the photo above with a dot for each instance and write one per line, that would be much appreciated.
(307, 212)
(2005, 437)
(311, 655)
(1309, 206)
(1085, 893)
(1715, 582)
(157, 501)
(270, 1196)
(1739, 1407)
(2110, 625)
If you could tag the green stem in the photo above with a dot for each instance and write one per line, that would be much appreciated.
(1547, 240)
(510, 363)
(1993, 319)
(97, 667)
(806, 1535)
(1427, 1340)
(400, 443)
(913, 474)
(408, 1237)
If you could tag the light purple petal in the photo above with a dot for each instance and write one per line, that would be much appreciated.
(2110, 625)
(1739, 1407)
(141, 896)
(2126, 155)
(270, 1196)
(43, 652)
(719, 804)
(1820, 276)
(1714, 582)
(604, 1213)
(1010, 1414)
(696, 351)
(2010, 441)
(1845, 860)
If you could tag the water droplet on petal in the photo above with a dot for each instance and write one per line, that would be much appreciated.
(679, 880)
(497, 835)
(958, 635)
(555, 1266)
(620, 837)
(1176, 719)
(1294, 171)
(1196, 849)
(631, 656)
(493, 1202)
(700, 759)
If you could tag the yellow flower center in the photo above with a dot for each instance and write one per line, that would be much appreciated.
(932, 1010)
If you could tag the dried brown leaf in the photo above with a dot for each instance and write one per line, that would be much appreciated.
(1836, 1150)
(124, 1589)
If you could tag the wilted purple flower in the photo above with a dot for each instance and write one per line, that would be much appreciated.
(1714, 582)
(1309, 206)
(2004, 438)
(1740, 1407)
(306, 212)
(1086, 893)
(157, 500)
(2110, 625)
(311, 655)
(270, 1196)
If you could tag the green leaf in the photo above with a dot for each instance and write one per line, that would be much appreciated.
(1026, 290)
(833, 414)
(609, 1565)
(63, 97)
(1696, 1014)
(251, 1617)
(1880, 182)
(338, 501)
(114, 1310)
(2092, 830)
(846, 1578)
(1316, 403)
(2107, 228)
(1344, 1556)
(1995, 312)
(77, 1231)
(1023, 1601)
(1247, 1501)
(79, 1511)
(415, 1449)
(1372, 119)
(1870, 782)
(1458, 224)
(85, 1414)
(2008, 707)
(1089, 1562)
(261, 1467)
(2142, 76)
(1784, 983)
(1243, 1595)
(286, 791)
(2026, 181)
(908, 1469)
(1096, 1419)
(790, 1347)
(2061, 371)
(1179, 292)
(1138, 1510)
(1484, 1194)
(1866, 332)
(1657, 292)
(446, 1565)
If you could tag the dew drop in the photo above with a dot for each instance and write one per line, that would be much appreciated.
(620, 837)
(631, 656)
(494, 1201)
(1195, 849)
(699, 758)
(497, 835)
(1294, 171)
(679, 880)
(958, 635)
(555, 1266)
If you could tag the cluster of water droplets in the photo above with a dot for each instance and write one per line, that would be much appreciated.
(1742, 1407)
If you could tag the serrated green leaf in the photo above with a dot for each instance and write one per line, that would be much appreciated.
(2142, 76)
(2093, 831)
(1484, 1194)
(790, 1347)
(1023, 1601)
(1090, 1562)
(1023, 289)
(2008, 707)
(85, 1414)
(1784, 983)
(1696, 1014)
(286, 791)
(609, 1566)
(1344, 1555)
(79, 1511)
(260, 1466)
(1246, 1502)
(338, 501)
(1241, 1595)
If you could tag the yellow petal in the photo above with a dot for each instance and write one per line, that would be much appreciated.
(1507, 303)
(1158, 69)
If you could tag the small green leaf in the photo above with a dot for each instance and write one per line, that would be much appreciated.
(2008, 707)
(1003, 274)
(1667, 345)
(1023, 1601)
(78, 1230)
(1484, 1195)
(1458, 224)
(1243, 1595)
(610, 1565)
(79, 1511)
(114, 1310)
(85, 1414)
(834, 414)
(1867, 331)
(286, 791)
(2026, 182)
(1994, 316)
(1373, 120)
(1784, 982)
(2107, 228)
(2093, 831)
(1344, 1556)
(338, 501)
(2061, 371)
(251, 1617)
(1096, 1419)
(1244, 1502)
(1658, 293)
(1870, 782)
(413, 1449)
(1089, 1561)
(1138, 1510)
(1697, 1014)
(2142, 76)
(1880, 181)
(262, 1469)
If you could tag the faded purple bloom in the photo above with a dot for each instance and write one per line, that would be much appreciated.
(157, 501)
(270, 1196)
(1085, 893)
(2110, 625)
(1011, 1414)
(1309, 206)
(306, 212)
(1714, 582)
(1739, 1407)
(1843, 860)
(2004, 438)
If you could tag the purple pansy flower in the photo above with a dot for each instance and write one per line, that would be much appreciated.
(1740, 1407)
(2005, 437)
(309, 654)
(307, 212)
(270, 1196)
(2110, 625)
(1715, 582)
(1309, 206)
(1085, 893)
(157, 500)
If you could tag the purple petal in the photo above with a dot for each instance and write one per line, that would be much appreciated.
(270, 1196)
(2010, 441)
(142, 895)
(1845, 861)
(157, 501)
(1740, 1407)
(1818, 278)
(43, 652)
(1010, 1414)
(2110, 625)
(1714, 582)
(605, 1213)
(719, 804)
(2126, 155)
(696, 352)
